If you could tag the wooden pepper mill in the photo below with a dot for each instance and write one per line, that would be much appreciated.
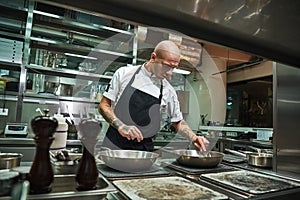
(87, 173)
(41, 173)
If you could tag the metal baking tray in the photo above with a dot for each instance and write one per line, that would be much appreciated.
(250, 182)
(172, 187)
(64, 186)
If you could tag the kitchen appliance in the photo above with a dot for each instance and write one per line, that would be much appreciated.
(16, 130)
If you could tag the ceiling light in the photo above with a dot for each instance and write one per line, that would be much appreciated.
(46, 14)
(80, 56)
(181, 71)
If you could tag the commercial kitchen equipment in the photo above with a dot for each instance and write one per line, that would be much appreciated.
(16, 130)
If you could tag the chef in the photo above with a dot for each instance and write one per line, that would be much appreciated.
(132, 102)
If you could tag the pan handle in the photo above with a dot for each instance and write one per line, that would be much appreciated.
(105, 149)
(258, 150)
(168, 149)
(236, 153)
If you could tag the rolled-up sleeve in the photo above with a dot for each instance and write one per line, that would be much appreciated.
(114, 87)
(173, 108)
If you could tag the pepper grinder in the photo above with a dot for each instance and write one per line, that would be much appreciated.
(41, 173)
(87, 173)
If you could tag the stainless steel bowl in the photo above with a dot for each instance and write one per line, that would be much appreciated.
(10, 160)
(128, 160)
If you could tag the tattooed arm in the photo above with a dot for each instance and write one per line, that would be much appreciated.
(130, 132)
(183, 128)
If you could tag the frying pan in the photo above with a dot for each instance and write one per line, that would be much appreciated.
(263, 160)
(192, 158)
(132, 161)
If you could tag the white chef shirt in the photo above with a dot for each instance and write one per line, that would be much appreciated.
(147, 83)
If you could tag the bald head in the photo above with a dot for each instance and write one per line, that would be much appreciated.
(166, 46)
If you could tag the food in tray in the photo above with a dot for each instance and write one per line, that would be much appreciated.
(251, 182)
(165, 188)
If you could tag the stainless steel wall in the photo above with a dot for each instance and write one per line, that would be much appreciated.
(287, 120)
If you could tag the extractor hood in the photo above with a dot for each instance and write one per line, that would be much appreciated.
(266, 28)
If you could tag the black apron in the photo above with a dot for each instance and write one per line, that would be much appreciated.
(139, 109)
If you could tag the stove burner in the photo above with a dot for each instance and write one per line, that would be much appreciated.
(189, 170)
(112, 174)
(250, 182)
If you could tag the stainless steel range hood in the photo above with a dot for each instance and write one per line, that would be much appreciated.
(261, 27)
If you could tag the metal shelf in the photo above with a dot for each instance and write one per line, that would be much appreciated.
(67, 73)
(53, 99)
(9, 97)
(68, 33)
(10, 66)
(58, 29)
(79, 26)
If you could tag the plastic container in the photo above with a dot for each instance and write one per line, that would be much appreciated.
(61, 133)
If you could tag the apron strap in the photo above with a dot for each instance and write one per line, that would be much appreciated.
(161, 91)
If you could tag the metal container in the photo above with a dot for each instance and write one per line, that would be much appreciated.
(7, 181)
(50, 87)
(128, 160)
(66, 167)
(255, 159)
(10, 160)
(66, 90)
(192, 158)
(260, 159)
(64, 187)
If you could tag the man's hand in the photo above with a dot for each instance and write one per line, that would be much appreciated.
(183, 128)
(130, 132)
(201, 143)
